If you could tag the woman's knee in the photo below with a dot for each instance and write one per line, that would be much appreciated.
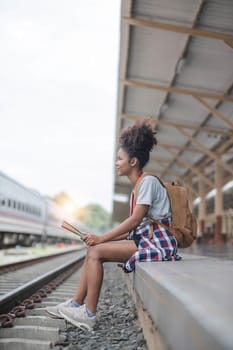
(93, 253)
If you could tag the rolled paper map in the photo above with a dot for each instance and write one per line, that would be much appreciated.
(67, 226)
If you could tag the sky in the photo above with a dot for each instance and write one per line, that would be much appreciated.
(58, 96)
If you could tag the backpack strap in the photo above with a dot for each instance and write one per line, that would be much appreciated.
(136, 187)
(151, 221)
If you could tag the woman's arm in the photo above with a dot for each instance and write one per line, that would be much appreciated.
(127, 225)
(121, 237)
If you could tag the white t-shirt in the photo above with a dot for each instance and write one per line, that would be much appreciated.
(152, 193)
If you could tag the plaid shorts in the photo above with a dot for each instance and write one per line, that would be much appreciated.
(161, 247)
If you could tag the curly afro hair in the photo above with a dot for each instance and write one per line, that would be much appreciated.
(138, 141)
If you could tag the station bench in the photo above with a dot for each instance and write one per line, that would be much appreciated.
(185, 305)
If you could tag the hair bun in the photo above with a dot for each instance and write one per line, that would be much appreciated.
(138, 139)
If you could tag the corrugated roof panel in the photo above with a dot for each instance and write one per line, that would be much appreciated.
(183, 108)
(227, 109)
(143, 101)
(209, 141)
(217, 16)
(179, 11)
(154, 54)
(177, 168)
(209, 65)
(192, 158)
(217, 124)
(170, 135)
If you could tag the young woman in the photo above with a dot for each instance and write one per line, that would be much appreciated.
(131, 241)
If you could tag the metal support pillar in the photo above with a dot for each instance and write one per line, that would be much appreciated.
(218, 203)
(202, 207)
(189, 184)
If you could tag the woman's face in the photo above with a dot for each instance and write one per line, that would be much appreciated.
(122, 163)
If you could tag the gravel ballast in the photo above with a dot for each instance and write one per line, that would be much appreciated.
(117, 324)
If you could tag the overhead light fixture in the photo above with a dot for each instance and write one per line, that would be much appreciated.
(180, 65)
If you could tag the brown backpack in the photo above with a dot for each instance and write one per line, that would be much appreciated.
(184, 223)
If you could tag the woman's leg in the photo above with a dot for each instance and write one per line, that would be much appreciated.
(118, 251)
(81, 291)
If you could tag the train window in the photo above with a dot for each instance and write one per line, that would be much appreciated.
(3, 202)
(14, 204)
(9, 202)
(35, 211)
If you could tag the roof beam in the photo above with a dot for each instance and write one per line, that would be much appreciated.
(215, 112)
(225, 147)
(188, 165)
(175, 174)
(229, 43)
(227, 38)
(152, 170)
(206, 151)
(160, 160)
(179, 148)
(177, 90)
(179, 125)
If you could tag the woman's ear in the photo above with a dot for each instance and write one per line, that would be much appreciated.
(133, 161)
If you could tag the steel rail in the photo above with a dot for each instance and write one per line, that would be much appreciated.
(19, 264)
(13, 298)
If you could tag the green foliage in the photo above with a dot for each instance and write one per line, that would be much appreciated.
(92, 216)
(95, 217)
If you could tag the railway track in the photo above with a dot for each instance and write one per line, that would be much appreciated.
(24, 295)
(15, 265)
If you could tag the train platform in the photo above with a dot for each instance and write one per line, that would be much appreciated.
(18, 254)
(222, 250)
(186, 304)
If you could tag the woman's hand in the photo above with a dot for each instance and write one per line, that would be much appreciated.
(90, 239)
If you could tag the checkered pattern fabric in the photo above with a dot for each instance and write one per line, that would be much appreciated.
(161, 247)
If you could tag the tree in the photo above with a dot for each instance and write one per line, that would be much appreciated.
(94, 217)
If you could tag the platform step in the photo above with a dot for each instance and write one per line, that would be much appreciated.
(189, 301)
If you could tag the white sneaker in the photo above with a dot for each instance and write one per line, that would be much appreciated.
(78, 317)
(54, 310)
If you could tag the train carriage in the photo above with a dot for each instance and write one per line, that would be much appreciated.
(26, 216)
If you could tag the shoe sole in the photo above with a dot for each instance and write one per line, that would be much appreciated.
(51, 313)
(81, 325)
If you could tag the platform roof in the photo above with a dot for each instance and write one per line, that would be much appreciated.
(176, 66)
